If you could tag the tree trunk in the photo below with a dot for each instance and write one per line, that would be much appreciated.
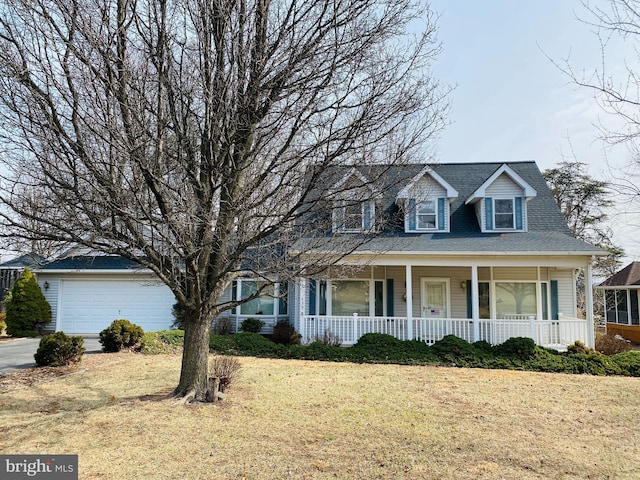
(195, 361)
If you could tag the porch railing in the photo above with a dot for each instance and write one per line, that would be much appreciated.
(548, 333)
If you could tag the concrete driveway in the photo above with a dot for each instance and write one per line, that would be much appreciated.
(17, 354)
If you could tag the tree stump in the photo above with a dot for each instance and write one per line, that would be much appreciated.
(213, 390)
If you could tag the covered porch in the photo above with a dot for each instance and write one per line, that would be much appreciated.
(427, 299)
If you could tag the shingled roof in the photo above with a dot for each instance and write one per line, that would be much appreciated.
(629, 275)
(547, 232)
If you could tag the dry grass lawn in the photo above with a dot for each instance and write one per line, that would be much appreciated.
(312, 420)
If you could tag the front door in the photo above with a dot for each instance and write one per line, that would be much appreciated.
(435, 298)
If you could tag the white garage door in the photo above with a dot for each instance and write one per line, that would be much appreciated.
(89, 306)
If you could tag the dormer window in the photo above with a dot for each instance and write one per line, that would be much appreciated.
(426, 201)
(354, 217)
(501, 201)
(426, 215)
(504, 213)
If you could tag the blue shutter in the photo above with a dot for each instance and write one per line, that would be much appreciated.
(312, 297)
(390, 297)
(367, 215)
(234, 294)
(338, 217)
(322, 298)
(488, 208)
(469, 300)
(554, 300)
(412, 214)
(519, 211)
(441, 214)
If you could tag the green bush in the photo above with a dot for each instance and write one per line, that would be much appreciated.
(179, 316)
(59, 349)
(452, 347)
(284, 333)
(628, 362)
(522, 348)
(379, 347)
(251, 325)
(164, 341)
(119, 335)
(26, 307)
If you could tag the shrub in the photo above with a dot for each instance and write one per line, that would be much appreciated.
(251, 325)
(179, 316)
(222, 326)
(226, 369)
(164, 341)
(629, 363)
(578, 347)
(59, 349)
(611, 345)
(119, 335)
(284, 333)
(522, 348)
(3, 324)
(26, 307)
(452, 346)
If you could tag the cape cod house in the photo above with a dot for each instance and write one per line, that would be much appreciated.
(478, 250)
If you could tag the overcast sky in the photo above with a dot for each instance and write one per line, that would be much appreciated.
(511, 102)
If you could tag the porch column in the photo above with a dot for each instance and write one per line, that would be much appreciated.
(302, 282)
(475, 303)
(409, 295)
(588, 295)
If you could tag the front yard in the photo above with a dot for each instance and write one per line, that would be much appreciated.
(313, 420)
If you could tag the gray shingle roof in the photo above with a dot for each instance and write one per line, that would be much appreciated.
(547, 229)
(91, 263)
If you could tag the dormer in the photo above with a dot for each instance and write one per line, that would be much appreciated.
(353, 204)
(501, 202)
(426, 202)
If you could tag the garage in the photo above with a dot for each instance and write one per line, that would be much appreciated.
(89, 306)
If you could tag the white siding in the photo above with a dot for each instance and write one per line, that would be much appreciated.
(503, 186)
(427, 187)
(566, 288)
(51, 295)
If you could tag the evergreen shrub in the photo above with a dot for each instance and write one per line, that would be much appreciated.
(59, 349)
(251, 325)
(26, 307)
(119, 335)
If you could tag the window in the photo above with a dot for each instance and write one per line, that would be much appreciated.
(272, 299)
(516, 300)
(504, 213)
(426, 215)
(617, 309)
(353, 216)
(349, 297)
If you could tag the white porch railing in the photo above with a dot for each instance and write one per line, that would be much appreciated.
(547, 333)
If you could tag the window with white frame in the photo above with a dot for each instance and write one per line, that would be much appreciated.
(271, 299)
(354, 216)
(504, 213)
(426, 215)
(516, 300)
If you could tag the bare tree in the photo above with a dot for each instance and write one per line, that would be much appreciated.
(191, 136)
(616, 87)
